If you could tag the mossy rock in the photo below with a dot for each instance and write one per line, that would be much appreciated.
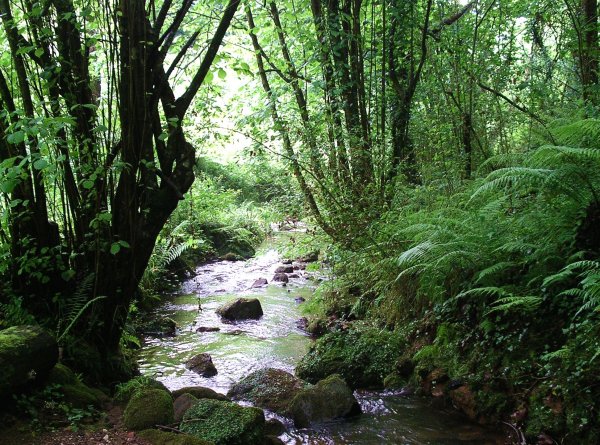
(157, 437)
(200, 392)
(329, 399)
(148, 408)
(363, 355)
(269, 388)
(27, 353)
(182, 404)
(79, 395)
(224, 423)
(61, 375)
(126, 390)
(393, 381)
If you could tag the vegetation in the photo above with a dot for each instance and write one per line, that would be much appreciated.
(444, 152)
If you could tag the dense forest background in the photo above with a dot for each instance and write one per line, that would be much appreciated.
(446, 152)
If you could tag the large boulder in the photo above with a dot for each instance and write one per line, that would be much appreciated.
(241, 309)
(224, 423)
(125, 391)
(287, 268)
(182, 404)
(329, 399)
(202, 364)
(148, 408)
(269, 388)
(200, 392)
(27, 353)
(281, 278)
(157, 437)
(79, 395)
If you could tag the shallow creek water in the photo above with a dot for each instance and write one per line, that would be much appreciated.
(275, 341)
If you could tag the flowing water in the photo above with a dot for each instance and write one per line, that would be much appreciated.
(275, 341)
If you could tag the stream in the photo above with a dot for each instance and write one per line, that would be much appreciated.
(275, 341)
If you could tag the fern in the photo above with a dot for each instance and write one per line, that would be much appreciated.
(522, 303)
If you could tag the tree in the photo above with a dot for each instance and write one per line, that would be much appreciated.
(120, 156)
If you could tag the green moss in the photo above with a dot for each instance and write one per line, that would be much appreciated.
(79, 395)
(61, 375)
(224, 423)
(363, 355)
(393, 381)
(156, 437)
(126, 390)
(148, 408)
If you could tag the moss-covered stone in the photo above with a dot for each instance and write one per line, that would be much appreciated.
(79, 395)
(328, 399)
(200, 392)
(224, 423)
(268, 388)
(26, 353)
(393, 381)
(126, 390)
(61, 375)
(148, 408)
(363, 355)
(157, 437)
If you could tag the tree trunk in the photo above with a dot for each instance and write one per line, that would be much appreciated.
(590, 57)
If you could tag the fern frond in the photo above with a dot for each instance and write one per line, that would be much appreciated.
(488, 291)
(494, 269)
(523, 303)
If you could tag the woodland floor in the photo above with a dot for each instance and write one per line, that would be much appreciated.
(111, 432)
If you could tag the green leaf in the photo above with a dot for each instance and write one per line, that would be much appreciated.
(222, 73)
(87, 184)
(8, 185)
(163, 136)
(115, 248)
(16, 138)
(40, 164)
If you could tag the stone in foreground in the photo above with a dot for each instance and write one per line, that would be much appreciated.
(224, 423)
(202, 364)
(148, 408)
(200, 392)
(329, 399)
(269, 388)
(26, 354)
(241, 309)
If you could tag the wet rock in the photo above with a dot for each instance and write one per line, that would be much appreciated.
(200, 392)
(317, 327)
(229, 256)
(464, 399)
(148, 408)
(159, 327)
(202, 364)
(286, 261)
(207, 329)
(281, 278)
(274, 427)
(299, 299)
(302, 323)
(269, 388)
(310, 257)
(435, 381)
(293, 275)
(234, 332)
(285, 269)
(259, 283)
(241, 309)
(181, 404)
(299, 266)
(329, 399)
(224, 423)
